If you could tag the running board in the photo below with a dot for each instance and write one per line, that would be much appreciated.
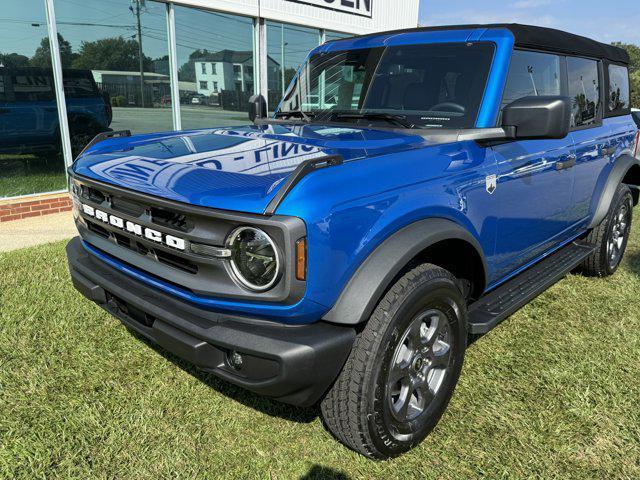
(509, 297)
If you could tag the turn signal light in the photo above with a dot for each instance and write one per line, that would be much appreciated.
(301, 259)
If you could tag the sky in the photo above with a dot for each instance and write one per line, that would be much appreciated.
(603, 20)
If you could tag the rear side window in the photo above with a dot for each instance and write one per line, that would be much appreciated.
(532, 74)
(584, 91)
(33, 87)
(618, 88)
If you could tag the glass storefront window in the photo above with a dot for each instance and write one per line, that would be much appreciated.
(31, 158)
(215, 67)
(115, 66)
(287, 49)
(328, 35)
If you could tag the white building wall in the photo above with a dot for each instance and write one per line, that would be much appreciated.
(385, 14)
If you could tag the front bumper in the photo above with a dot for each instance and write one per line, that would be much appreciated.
(293, 364)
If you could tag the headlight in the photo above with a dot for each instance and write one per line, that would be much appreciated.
(255, 260)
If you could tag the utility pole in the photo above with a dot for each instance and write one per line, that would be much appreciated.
(141, 58)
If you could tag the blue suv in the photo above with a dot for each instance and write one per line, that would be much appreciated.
(412, 190)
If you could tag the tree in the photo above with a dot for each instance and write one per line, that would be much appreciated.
(14, 60)
(42, 55)
(114, 53)
(635, 89)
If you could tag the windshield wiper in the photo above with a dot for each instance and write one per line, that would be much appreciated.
(295, 113)
(389, 117)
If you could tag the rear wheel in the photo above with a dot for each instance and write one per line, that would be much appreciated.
(403, 368)
(611, 236)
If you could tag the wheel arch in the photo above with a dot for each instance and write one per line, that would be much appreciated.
(435, 240)
(626, 170)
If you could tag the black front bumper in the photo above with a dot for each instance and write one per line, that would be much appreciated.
(294, 364)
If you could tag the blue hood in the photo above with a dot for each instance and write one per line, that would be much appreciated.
(239, 168)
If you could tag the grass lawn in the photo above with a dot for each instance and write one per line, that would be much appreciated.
(552, 392)
(27, 174)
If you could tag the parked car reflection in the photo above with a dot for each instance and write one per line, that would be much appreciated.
(29, 115)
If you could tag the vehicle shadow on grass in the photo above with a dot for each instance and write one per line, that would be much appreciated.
(319, 472)
(245, 397)
(633, 262)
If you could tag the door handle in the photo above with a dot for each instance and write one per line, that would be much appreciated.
(566, 164)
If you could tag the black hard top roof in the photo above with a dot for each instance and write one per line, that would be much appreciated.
(541, 38)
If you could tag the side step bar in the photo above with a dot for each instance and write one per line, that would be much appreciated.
(509, 297)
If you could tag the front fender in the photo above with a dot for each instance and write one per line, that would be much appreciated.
(373, 277)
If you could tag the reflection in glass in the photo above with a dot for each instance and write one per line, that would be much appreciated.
(115, 66)
(215, 67)
(287, 49)
(583, 91)
(30, 148)
(330, 36)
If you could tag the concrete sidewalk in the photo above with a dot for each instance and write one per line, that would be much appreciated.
(36, 231)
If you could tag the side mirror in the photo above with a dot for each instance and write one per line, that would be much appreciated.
(538, 117)
(257, 107)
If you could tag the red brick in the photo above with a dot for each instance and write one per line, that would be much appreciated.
(31, 214)
(35, 208)
(66, 209)
(19, 210)
(10, 217)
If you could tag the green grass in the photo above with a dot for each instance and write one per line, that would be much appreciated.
(27, 174)
(552, 392)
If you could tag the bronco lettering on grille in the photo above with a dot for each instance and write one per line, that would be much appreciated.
(134, 228)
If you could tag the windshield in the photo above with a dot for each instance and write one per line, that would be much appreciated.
(420, 86)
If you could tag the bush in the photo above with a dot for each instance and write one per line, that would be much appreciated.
(117, 101)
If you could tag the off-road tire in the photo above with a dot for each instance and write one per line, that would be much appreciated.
(598, 264)
(357, 409)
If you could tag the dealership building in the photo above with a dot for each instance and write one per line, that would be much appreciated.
(72, 68)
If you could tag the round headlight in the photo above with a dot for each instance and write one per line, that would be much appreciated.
(254, 258)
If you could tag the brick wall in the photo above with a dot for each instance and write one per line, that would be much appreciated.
(34, 207)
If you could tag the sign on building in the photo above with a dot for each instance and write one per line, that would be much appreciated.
(354, 7)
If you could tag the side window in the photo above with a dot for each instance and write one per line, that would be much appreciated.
(532, 74)
(618, 88)
(584, 91)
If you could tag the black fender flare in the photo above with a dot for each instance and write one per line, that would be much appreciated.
(373, 277)
(623, 164)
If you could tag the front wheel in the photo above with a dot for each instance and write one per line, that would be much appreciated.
(403, 368)
(611, 236)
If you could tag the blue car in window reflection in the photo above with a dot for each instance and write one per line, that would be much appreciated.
(29, 115)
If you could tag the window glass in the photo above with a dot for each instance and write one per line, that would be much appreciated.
(618, 88)
(287, 49)
(116, 74)
(215, 67)
(532, 74)
(30, 148)
(583, 91)
(329, 35)
(431, 86)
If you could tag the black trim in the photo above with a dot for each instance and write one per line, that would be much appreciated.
(530, 36)
(369, 283)
(618, 172)
(298, 174)
(294, 364)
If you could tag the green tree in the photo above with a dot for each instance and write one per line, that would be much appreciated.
(42, 55)
(114, 53)
(14, 60)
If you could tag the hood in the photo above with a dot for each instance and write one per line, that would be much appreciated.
(237, 168)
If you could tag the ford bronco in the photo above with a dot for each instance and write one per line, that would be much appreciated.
(412, 190)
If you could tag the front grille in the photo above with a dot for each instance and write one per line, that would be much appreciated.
(130, 243)
(170, 241)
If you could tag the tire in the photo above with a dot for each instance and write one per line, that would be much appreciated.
(423, 309)
(611, 236)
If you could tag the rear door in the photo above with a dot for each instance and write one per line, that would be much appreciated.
(534, 189)
(591, 137)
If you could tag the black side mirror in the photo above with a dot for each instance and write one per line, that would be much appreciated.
(257, 107)
(538, 117)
